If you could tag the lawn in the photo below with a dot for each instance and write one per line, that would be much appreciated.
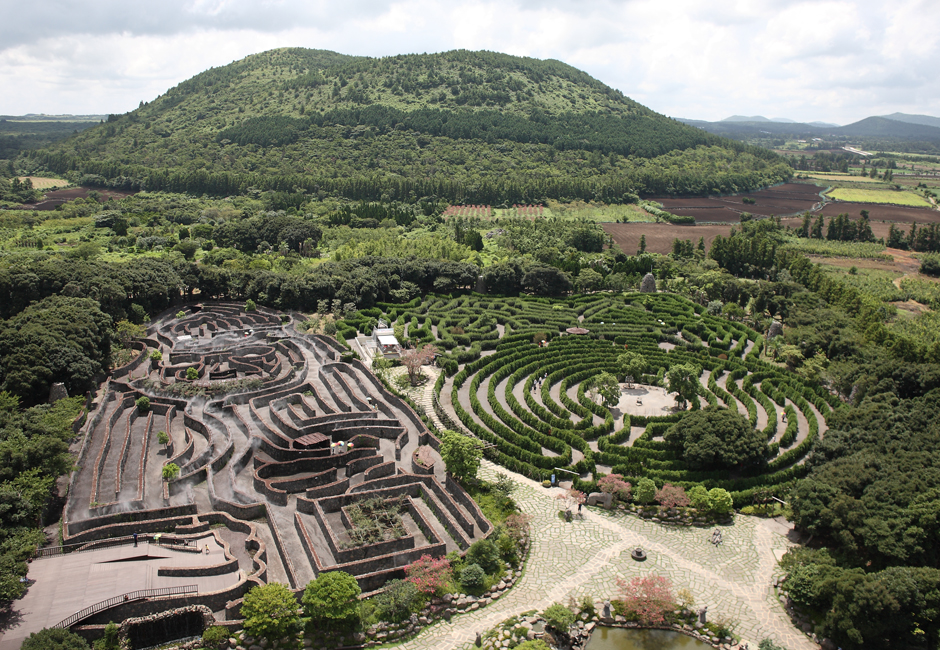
(880, 196)
(842, 178)
(44, 183)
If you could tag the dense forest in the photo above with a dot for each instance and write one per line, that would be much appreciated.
(479, 127)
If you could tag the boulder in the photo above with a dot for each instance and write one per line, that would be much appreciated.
(600, 499)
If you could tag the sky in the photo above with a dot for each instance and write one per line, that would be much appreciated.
(832, 61)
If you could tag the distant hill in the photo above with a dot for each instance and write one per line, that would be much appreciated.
(884, 127)
(470, 126)
(823, 125)
(925, 120)
(42, 117)
(745, 118)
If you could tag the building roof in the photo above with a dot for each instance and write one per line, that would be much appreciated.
(386, 339)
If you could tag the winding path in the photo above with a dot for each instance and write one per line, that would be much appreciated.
(586, 557)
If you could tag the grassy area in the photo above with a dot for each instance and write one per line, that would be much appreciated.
(44, 183)
(826, 248)
(875, 282)
(599, 212)
(843, 178)
(879, 196)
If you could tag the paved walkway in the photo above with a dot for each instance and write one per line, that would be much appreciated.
(69, 583)
(585, 558)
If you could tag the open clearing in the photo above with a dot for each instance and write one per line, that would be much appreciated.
(842, 178)
(893, 197)
(659, 236)
(790, 198)
(882, 212)
(44, 183)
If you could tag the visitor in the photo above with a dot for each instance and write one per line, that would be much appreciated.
(207, 549)
(135, 540)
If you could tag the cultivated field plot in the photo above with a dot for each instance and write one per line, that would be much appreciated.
(891, 197)
(59, 197)
(659, 236)
(789, 198)
(268, 426)
(880, 229)
(881, 212)
(535, 427)
(42, 182)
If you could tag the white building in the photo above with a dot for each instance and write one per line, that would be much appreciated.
(385, 341)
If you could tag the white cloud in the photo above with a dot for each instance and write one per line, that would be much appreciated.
(833, 60)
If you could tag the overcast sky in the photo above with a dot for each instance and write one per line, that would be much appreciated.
(834, 61)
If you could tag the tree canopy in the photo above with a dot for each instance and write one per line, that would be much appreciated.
(716, 438)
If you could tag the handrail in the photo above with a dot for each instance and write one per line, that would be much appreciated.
(125, 598)
(96, 545)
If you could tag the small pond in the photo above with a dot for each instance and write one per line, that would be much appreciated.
(618, 638)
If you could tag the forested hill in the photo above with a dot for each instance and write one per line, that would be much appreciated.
(467, 126)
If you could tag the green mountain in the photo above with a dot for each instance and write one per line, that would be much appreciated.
(467, 126)
(884, 127)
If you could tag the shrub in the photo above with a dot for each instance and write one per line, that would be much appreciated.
(429, 575)
(534, 644)
(170, 471)
(156, 355)
(472, 576)
(332, 597)
(181, 314)
(507, 549)
(672, 496)
(110, 639)
(192, 374)
(329, 328)
(250, 305)
(614, 484)
(720, 501)
(214, 636)
(270, 612)
(143, 404)
(484, 553)
(649, 598)
(558, 617)
(645, 491)
(54, 639)
(398, 601)
(517, 526)
(698, 497)
(163, 437)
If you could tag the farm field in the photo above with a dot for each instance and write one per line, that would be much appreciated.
(60, 197)
(841, 178)
(883, 212)
(659, 236)
(599, 212)
(790, 198)
(879, 196)
(43, 182)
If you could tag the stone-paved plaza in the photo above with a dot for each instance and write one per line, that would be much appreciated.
(586, 557)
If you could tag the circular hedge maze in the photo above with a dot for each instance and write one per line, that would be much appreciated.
(265, 431)
(529, 401)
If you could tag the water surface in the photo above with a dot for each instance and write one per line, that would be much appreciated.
(618, 638)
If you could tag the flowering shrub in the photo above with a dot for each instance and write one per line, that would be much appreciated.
(429, 575)
(649, 598)
(672, 496)
(614, 484)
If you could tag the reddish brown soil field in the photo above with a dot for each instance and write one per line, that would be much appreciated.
(878, 228)
(711, 214)
(659, 236)
(881, 212)
(790, 198)
(58, 197)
